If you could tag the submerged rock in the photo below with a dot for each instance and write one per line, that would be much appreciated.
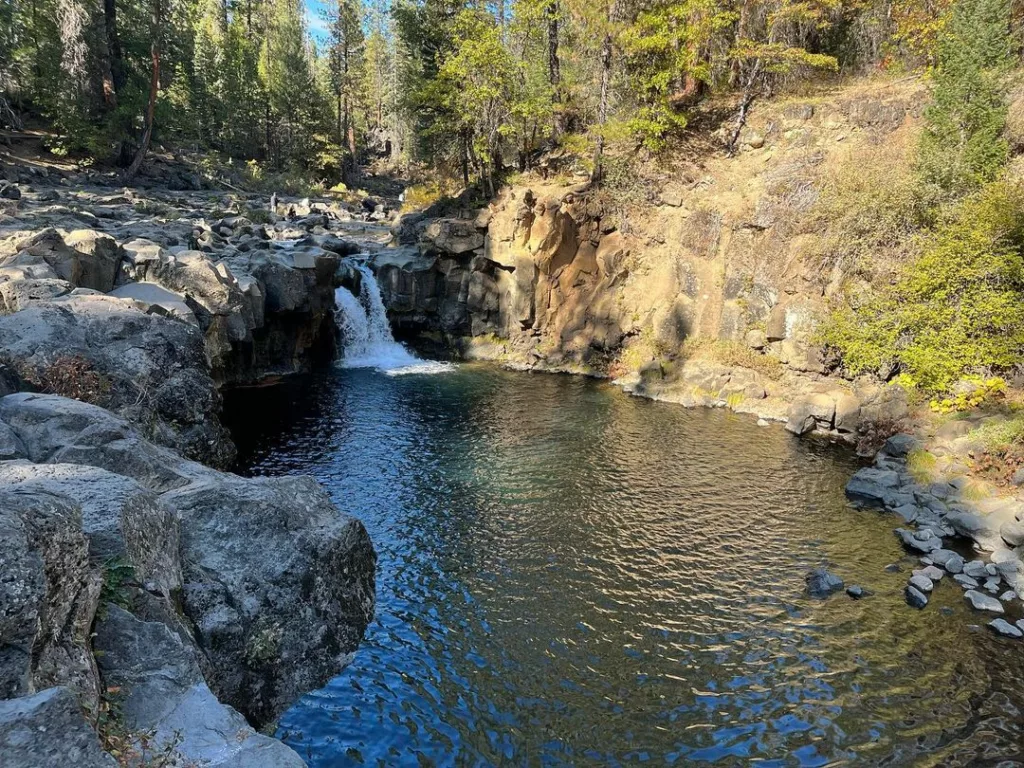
(1003, 627)
(821, 583)
(915, 597)
(982, 602)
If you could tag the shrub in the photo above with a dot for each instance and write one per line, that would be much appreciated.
(958, 308)
(975, 391)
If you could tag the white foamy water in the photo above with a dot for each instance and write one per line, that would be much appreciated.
(366, 337)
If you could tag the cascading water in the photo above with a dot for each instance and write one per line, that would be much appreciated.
(366, 339)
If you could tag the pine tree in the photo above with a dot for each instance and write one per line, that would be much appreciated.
(346, 70)
(962, 146)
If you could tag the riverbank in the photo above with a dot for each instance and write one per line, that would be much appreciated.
(138, 597)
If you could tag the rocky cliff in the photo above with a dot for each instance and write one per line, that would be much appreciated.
(704, 287)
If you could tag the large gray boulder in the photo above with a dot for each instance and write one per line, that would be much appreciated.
(84, 258)
(126, 524)
(273, 626)
(48, 729)
(150, 369)
(163, 694)
(48, 597)
(278, 583)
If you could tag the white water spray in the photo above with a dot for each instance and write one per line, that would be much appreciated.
(366, 335)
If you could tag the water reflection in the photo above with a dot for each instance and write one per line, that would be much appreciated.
(570, 576)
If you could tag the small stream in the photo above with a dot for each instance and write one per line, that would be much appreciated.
(570, 576)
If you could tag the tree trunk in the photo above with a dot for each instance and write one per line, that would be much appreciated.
(749, 94)
(154, 87)
(465, 158)
(602, 110)
(114, 68)
(555, 67)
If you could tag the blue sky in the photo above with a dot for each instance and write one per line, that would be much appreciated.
(315, 21)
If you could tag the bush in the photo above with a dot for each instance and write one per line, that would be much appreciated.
(958, 308)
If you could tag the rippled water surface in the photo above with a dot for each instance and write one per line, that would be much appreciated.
(571, 576)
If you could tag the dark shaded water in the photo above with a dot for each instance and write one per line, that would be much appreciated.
(571, 576)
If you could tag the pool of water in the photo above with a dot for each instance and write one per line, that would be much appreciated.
(570, 576)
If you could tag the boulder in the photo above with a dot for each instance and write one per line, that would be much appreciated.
(48, 597)
(821, 583)
(921, 583)
(915, 598)
(1005, 628)
(124, 523)
(150, 369)
(452, 236)
(982, 602)
(99, 256)
(273, 628)
(270, 628)
(1012, 532)
(811, 412)
(974, 526)
(873, 485)
(847, 418)
(57, 430)
(48, 729)
(163, 694)
(899, 446)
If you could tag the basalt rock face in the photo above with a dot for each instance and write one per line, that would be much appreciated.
(695, 271)
(150, 369)
(538, 269)
(186, 549)
(48, 597)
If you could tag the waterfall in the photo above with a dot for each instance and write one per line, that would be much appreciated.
(366, 339)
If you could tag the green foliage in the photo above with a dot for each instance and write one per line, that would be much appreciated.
(974, 391)
(962, 146)
(118, 581)
(958, 308)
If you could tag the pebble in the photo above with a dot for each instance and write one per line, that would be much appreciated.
(894, 568)
(965, 581)
(931, 572)
(983, 602)
(915, 598)
(992, 585)
(856, 591)
(976, 570)
(922, 583)
(1008, 595)
(1003, 627)
(991, 568)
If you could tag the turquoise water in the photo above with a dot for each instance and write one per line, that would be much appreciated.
(570, 576)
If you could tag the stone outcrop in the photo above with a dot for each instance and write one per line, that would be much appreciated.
(203, 614)
(150, 369)
(48, 597)
(164, 694)
(48, 729)
(269, 628)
